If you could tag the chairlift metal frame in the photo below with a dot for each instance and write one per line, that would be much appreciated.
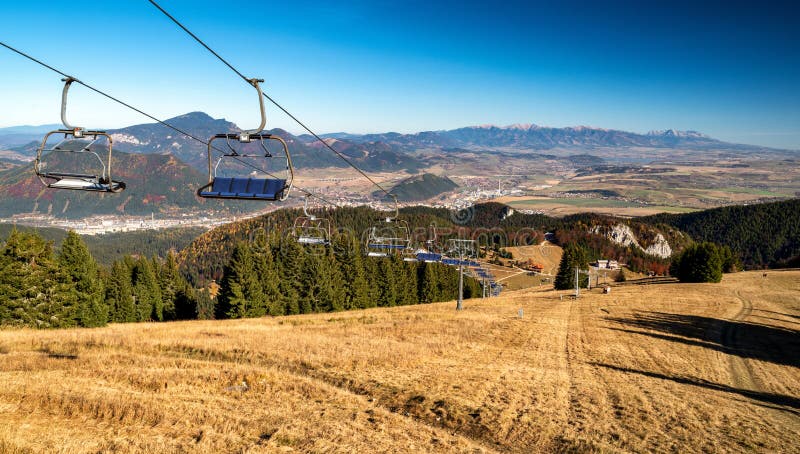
(248, 188)
(379, 245)
(76, 140)
(310, 229)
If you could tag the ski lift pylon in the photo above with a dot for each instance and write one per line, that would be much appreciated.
(81, 172)
(310, 229)
(246, 186)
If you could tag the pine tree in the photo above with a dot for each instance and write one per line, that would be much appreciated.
(698, 263)
(408, 290)
(34, 290)
(205, 306)
(288, 256)
(387, 282)
(373, 278)
(240, 290)
(430, 289)
(75, 259)
(267, 273)
(349, 261)
(574, 256)
(149, 305)
(119, 294)
(171, 284)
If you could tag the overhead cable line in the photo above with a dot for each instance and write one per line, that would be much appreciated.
(238, 73)
(164, 123)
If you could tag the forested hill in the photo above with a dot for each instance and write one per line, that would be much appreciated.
(422, 187)
(490, 224)
(766, 234)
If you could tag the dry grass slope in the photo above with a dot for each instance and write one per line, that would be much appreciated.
(664, 368)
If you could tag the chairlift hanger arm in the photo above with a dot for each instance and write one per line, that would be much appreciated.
(64, 93)
(305, 209)
(245, 134)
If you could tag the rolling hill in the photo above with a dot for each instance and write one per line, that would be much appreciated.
(422, 187)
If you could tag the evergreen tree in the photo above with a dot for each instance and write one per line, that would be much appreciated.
(698, 263)
(119, 294)
(240, 290)
(349, 261)
(318, 293)
(34, 290)
(373, 278)
(205, 306)
(574, 257)
(267, 273)
(147, 292)
(75, 259)
(288, 256)
(172, 285)
(387, 282)
(408, 288)
(730, 262)
(430, 289)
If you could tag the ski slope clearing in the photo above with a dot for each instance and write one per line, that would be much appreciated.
(659, 367)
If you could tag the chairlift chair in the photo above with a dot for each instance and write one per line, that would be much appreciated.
(256, 183)
(391, 236)
(84, 169)
(428, 257)
(310, 229)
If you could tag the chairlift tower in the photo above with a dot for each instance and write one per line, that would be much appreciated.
(578, 273)
(463, 249)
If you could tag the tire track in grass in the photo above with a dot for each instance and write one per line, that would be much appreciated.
(730, 337)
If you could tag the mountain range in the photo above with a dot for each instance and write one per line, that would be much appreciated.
(532, 137)
(157, 138)
(163, 167)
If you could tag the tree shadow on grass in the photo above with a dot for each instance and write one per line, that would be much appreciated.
(775, 344)
(764, 397)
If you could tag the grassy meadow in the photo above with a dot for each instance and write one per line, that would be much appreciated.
(660, 367)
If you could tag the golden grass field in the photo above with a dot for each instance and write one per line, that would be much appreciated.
(664, 368)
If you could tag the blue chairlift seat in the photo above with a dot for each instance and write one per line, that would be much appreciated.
(387, 246)
(244, 188)
(429, 257)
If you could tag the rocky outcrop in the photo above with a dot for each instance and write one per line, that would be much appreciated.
(623, 235)
(659, 248)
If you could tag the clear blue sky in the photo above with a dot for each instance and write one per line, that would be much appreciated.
(729, 69)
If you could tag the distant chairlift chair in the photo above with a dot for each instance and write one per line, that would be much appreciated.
(391, 236)
(264, 186)
(430, 254)
(310, 229)
(92, 175)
